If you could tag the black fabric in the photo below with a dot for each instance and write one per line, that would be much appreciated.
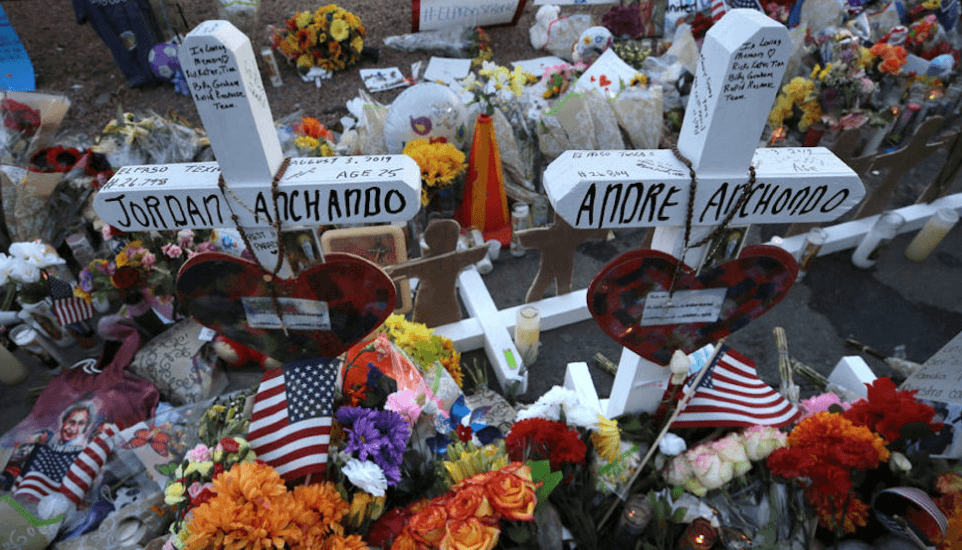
(130, 30)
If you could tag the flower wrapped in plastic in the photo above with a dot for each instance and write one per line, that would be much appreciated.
(330, 38)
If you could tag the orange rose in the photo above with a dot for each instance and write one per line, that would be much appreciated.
(469, 534)
(469, 501)
(479, 479)
(405, 541)
(427, 526)
(512, 496)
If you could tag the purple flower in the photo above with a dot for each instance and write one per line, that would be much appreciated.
(378, 436)
(624, 21)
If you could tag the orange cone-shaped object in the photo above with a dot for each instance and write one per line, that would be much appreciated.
(485, 205)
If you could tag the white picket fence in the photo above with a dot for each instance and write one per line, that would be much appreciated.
(488, 327)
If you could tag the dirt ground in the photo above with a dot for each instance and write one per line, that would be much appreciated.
(71, 58)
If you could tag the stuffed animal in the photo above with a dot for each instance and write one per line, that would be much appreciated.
(538, 33)
(591, 44)
(238, 355)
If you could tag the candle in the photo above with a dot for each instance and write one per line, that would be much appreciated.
(699, 535)
(520, 220)
(931, 234)
(813, 243)
(885, 229)
(634, 520)
(273, 73)
(527, 333)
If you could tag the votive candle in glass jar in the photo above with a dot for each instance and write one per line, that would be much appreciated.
(527, 333)
(700, 535)
(813, 243)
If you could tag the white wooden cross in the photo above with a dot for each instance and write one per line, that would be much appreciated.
(739, 73)
(222, 74)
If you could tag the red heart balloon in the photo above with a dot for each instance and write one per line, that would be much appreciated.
(327, 308)
(755, 282)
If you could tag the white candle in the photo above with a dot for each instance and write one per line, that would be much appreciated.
(931, 234)
(527, 333)
(885, 229)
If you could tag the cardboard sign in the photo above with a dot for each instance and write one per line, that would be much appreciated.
(446, 69)
(429, 15)
(608, 74)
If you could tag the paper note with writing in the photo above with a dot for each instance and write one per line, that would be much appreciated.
(430, 15)
(608, 74)
(676, 10)
(684, 306)
(447, 69)
(299, 314)
(378, 80)
(538, 65)
(940, 378)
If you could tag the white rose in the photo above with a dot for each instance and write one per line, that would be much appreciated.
(760, 441)
(24, 272)
(678, 471)
(731, 449)
(36, 253)
(898, 462)
(709, 468)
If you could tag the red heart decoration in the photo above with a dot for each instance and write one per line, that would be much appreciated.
(592, 79)
(225, 292)
(756, 281)
(604, 81)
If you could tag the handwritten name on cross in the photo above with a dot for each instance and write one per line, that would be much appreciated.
(222, 74)
(739, 72)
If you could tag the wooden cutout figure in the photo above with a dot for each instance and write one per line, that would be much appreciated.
(557, 244)
(436, 302)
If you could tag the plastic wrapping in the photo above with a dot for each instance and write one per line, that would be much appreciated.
(579, 121)
(131, 140)
(453, 42)
(563, 32)
(640, 114)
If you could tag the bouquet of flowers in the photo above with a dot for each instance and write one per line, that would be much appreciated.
(313, 139)
(440, 164)
(497, 87)
(24, 271)
(330, 38)
(20, 124)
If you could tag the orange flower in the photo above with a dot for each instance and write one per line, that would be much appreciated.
(825, 428)
(250, 482)
(469, 501)
(338, 542)
(949, 482)
(318, 509)
(830, 510)
(511, 495)
(229, 524)
(405, 541)
(469, 534)
(427, 526)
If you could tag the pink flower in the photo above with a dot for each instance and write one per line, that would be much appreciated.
(821, 403)
(108, 232)
(709, 468)
(200, 453)
(761, 441)
(172, 251)
(148, 260)
(732, 450)
(404, 403)
(206, 246)
(185, 237)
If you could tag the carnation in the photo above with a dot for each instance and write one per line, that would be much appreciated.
(539, 439)
(366, 476)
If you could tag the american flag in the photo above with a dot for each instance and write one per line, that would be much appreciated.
(72, 310)
(87, 465)
(291, 422)
(43, 472)
(718, 10)
(731, 394)
(747, 4)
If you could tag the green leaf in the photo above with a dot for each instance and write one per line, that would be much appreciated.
(541, 471)
(679, 515)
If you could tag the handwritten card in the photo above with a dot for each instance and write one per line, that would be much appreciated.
(940, 378)
(685, 306)
(538, 65)
(447, 70)
(607, 74)
(379, 80)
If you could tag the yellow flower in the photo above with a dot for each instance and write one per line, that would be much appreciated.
(340, 29)
(306, 143)
(203, 468)
(357, 43)
(174, 494)
(305, 61)
(607, 439)
(303, 19)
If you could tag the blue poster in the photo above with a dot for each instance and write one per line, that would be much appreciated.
(16, 70)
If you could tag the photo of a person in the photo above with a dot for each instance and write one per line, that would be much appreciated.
(725, 246)
(74, 423)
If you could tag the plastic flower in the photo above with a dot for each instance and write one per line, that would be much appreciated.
(366, 476)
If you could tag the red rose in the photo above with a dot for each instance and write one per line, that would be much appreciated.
(125, 277)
